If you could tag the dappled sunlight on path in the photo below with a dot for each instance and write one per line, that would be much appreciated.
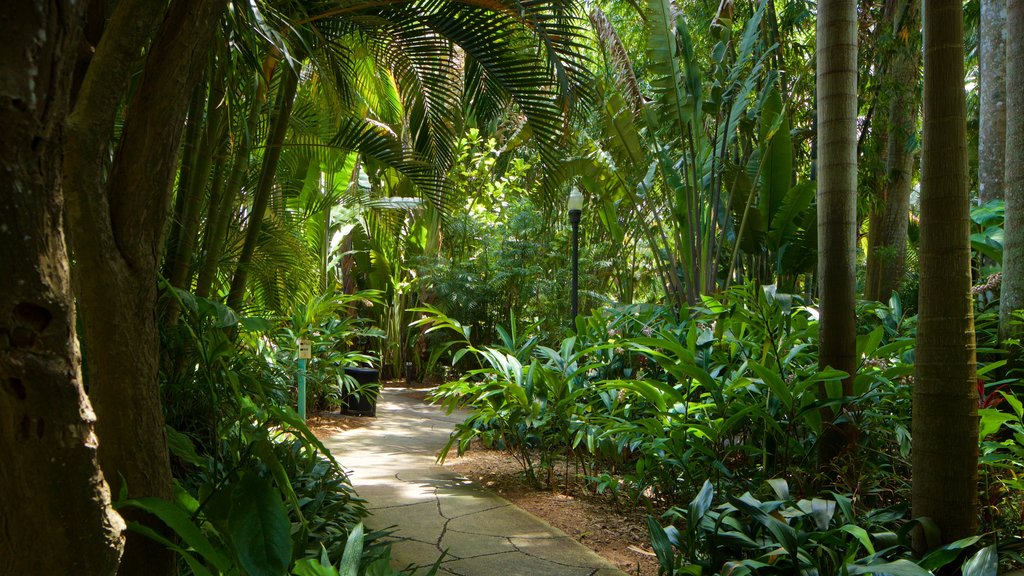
(392, 465)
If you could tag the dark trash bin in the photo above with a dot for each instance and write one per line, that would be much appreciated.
(362, 400)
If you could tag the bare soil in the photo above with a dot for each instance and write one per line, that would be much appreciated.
(324, 425)
(615, 530)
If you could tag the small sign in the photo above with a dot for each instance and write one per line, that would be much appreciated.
(305, 349)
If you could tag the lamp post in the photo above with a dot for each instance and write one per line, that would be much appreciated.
(575, 210)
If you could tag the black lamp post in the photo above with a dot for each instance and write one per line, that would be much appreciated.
(575, 210)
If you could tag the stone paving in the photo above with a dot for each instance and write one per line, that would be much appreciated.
(392, 465)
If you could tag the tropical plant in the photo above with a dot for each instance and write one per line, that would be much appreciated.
(788, 536)
(682, 171)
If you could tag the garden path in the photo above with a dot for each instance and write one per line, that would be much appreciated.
(391, 464)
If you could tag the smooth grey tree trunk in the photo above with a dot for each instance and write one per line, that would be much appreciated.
(888, 222)
(837, 203)
(1012, 292)
(992, 117)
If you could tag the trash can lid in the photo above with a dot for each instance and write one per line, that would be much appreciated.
(360, 370)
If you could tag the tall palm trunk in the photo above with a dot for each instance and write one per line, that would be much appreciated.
(54, 501)
(117, 228)
(837, 203)
(219, 211)
(271, 156)
(1012, 297)
(887, 228)
(211, 142)
(992, 117)
(945, 404)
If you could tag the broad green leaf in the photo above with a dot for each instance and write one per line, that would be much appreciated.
(702, 502)
(985, 562)
(982, 370)
(312, 567)
(868, 343)
(662, 547)
(780, 486)
(182, 524)
(861, 535)
(353, 552)
(897, 568)
(774, 383)
(259, 527)
(991, 420)
(777, 171)
(822, 511)
(784, 534)
(197, 567)
(181, 446)
(1015, 403)
(941, 556)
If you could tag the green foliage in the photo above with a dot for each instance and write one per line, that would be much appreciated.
(257, 492)
(658, 409)
(789, 536)
(339, 339)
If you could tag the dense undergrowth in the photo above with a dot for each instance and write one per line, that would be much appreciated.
(255, 491)
(711, 418)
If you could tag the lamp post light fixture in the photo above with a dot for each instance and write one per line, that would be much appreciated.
(575, 210)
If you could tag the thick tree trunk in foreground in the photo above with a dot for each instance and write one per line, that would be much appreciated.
(55, 512)
(117, 228)
(1012, 295)
(945, 404)
(887, 228)
(992, 117)
(837, 203)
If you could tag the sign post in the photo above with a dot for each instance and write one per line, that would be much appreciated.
(305, 353)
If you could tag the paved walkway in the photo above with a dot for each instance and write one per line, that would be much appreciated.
(392, 465)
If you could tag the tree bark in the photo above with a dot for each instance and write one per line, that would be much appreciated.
(945, 403)
(992, 117)
(837, 204)
(271, 156)
(1012, 292)
(55, 510)
(887, 227)
(117, 229)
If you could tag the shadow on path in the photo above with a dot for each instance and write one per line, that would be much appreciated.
(391, 463)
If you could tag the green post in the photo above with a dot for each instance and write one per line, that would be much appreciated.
(305, 352)
(302, 389)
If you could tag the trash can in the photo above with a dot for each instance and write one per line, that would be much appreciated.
(362, 400)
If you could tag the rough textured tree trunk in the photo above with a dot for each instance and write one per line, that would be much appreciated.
(837, 202)
(271, 156)
(55, 512)
(117, 230)
(992, 117)
(945, 404)
(1012, 295)
(887, 228)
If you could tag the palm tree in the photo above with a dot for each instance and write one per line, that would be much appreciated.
(404, 75)
(945, 402)
(992, 117)
(837, 202)
(1012, 295)
(889, 218)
